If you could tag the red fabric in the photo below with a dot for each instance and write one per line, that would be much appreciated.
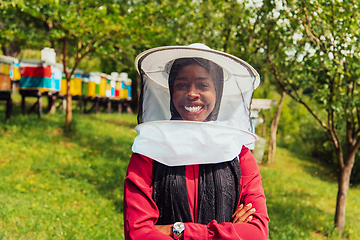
(192, 184)
(141, 212)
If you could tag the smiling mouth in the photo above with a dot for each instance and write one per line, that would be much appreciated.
(193, 109)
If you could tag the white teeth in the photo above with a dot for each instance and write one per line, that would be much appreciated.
(192, 109)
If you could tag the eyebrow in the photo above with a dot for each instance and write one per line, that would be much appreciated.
(196, 79)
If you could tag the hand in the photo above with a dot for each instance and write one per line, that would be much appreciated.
(165, 229)
(243, 214)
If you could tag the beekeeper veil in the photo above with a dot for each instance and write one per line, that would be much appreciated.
(177, 131)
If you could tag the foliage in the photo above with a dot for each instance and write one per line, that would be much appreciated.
(312, 50)
(75, 29)
(17, 29)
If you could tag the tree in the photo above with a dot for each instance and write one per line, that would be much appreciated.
(76, 29)
(17, 30)
(262, 39)
(319, 40)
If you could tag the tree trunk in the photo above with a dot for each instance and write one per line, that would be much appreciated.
(343, 187)
(11, 50)
(263, 127)
(273, 130)
(68, 115)
(68, 106)
(51, 104)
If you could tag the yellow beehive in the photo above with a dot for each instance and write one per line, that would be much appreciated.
(4, 68)
(102, 86)
(76, 84)
(88, 78)
(63, 87)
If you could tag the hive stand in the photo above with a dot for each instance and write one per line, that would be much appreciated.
(37, 105)
(6, 96)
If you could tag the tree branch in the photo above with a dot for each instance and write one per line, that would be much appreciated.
(297, 98)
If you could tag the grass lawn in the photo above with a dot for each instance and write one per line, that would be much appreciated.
(58, 185)
(69, 185)
(301, 199)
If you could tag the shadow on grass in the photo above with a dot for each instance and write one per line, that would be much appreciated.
(322, 171)
(316, 168)
(29, 102)
(117, 122)
(108, 157)
(294, 219)
(108, 165)
(99, 158)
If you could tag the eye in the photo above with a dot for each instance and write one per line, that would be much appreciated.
(203, 85)
(181, 85)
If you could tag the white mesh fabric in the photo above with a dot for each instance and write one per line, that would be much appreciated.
(156, 101)
(176, 143)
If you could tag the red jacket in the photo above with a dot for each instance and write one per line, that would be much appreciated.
(141, 212)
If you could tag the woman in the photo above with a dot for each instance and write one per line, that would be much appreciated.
(191, 177)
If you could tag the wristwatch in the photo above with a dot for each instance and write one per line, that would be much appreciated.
(178, 230)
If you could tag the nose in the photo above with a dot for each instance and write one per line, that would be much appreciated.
(193, 93)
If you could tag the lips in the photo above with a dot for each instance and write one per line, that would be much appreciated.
(193, 109)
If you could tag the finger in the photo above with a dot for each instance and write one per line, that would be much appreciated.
(241, 209)
(239, 219)
(243, 217)
(238, 210)
(249, 218)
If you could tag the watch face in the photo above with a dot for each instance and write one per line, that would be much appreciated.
(179, 226)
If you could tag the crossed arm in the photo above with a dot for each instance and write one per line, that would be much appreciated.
(243, 214)
(250, 220)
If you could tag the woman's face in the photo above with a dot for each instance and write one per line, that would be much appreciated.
(194, 94)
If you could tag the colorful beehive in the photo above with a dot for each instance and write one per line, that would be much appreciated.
(76, 83)
(91, 92)
(5, 80)
(123, 89)
(48, 54)
(88, 77)
(85, 84)
(14, 69)
(117, 87)
(128, 87)
(103, 83)
(113, 85)
(60, 67)
(125, 92)
(113, 79)
(37, 74)
(56, 78)
(97, 81)
(63, 88)
(108, 86)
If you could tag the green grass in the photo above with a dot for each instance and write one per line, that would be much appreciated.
(58, 185)
(69, 185)
(301, 199)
